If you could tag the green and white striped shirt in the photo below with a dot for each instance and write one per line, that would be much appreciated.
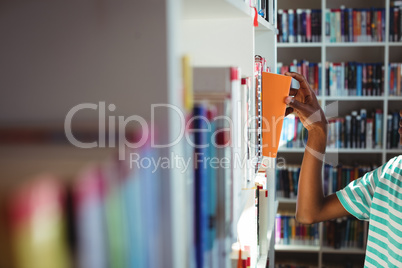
(377, 197)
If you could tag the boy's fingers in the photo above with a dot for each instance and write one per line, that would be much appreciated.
(302, 80)
(292, 91)
(289, 110)
(296, 105)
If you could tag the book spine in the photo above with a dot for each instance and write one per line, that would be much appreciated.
(363, 25)
(291, 26)
(280, 26)
(304, 26)
(359, 82)
(378, 129)
(368, 25)
(379, 25)
(308, 25)
(369, 133)
(355, 26)
(394, 131)
(348, 131)
(327, 25)
(333, 26)
(350, 24)
(342, 24)
(299, 24)
(363, 116)
(285, 32)
(338, 25)
(389, 131)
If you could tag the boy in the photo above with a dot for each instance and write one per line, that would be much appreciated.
(375, 197)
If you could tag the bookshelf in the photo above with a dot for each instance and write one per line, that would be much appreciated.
(124, 57)
(322, 52)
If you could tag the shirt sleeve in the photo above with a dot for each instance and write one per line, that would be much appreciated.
(356, 197)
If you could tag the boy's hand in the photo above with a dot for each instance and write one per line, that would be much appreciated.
(305, 104)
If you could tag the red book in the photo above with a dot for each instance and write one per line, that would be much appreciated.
(308, 26)
(368, 27)
(379, 26)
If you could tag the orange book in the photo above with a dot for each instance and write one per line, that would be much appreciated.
(275, 88)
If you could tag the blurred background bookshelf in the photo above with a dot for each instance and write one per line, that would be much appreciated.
(375, 43)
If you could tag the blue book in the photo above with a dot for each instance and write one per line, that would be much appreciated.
(132, 195)
(151, 202)
(359, 77)
(212, 190)
(378, 129)
(200, 183)
(291, 18)
(285, 229)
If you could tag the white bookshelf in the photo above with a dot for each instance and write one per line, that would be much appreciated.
(322, 52)
(129, 54)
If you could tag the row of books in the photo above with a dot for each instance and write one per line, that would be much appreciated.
(294, 134)
(218, 180)
(336, 178)
(348, 78)
(106, 216)
(299, 25)
(352, 131)
(392, 130)
(310, 70)
(356, 130)
(341, 25)
(345, 233)
(354, 79)
(289, 232)
(287, 181)
(395, 81)
(355, 25)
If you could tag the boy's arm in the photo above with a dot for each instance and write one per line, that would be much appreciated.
(312, 206)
